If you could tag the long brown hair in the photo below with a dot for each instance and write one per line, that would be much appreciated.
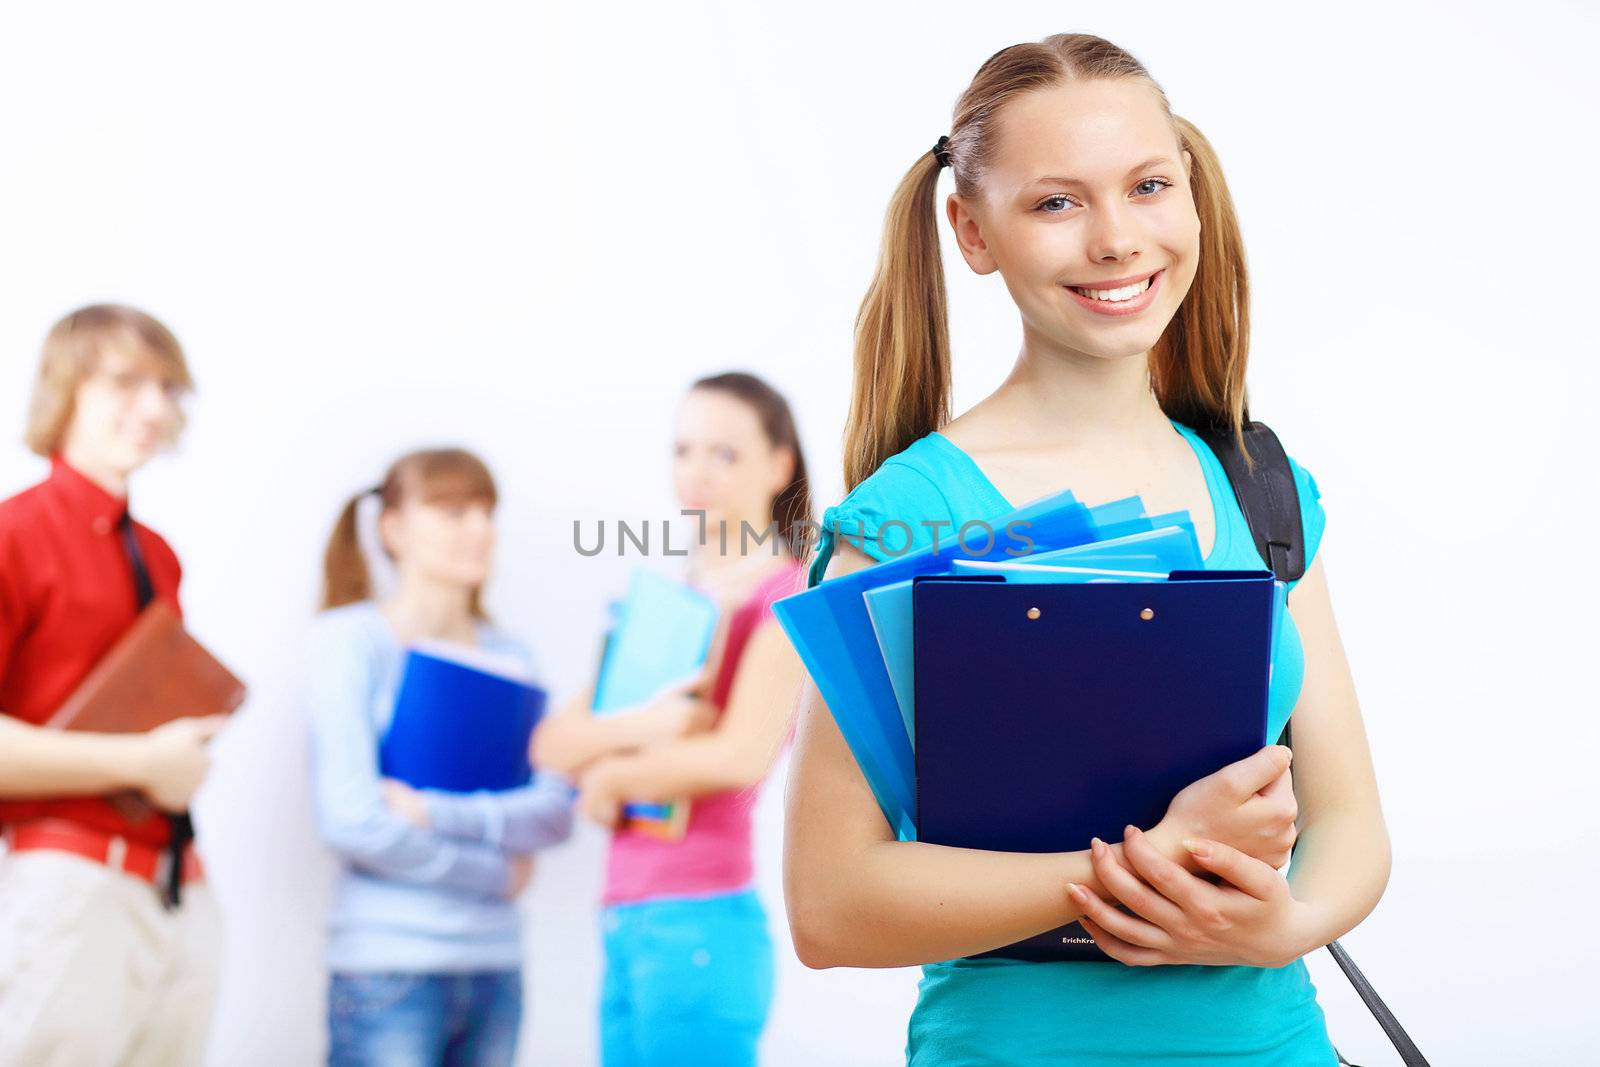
(433, 475)
(902, 345)
(791, 508)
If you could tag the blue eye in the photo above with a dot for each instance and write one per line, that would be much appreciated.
(1161, 182)
(1044, 205)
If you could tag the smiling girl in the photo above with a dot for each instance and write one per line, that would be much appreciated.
(1108, 220)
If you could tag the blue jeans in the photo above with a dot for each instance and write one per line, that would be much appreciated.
(688, 982)
(424, 1020)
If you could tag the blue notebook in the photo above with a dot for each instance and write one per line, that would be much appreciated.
(1048, 714)
(459, 724)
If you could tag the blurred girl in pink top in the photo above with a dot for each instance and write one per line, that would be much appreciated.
(688, 958)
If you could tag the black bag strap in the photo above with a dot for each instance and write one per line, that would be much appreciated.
(1267, 495)
(1270, 500)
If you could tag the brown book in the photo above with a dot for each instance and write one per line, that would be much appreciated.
(154, 673)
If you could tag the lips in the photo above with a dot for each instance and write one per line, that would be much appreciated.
(1129, 305)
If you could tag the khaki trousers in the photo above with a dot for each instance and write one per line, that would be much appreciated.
(95, 972)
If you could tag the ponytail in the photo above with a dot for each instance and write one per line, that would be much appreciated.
(902, 344)
(1197, 367)
(345, 578)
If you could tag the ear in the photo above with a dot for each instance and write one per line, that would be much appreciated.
(391, 532)
(783, 465)
(969, 235)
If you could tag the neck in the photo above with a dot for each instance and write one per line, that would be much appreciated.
(709, 557)
(423, 608)
(101, 473)
(1073, 398)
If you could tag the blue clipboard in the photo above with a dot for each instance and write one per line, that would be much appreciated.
(1052, 713)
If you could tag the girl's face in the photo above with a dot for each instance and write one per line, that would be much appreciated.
(1088, 189)
(123, 412)
(446, 542)
(722, 462)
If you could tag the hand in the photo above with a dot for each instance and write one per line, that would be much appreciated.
(519, 875)
(407, 803)
(1249, 805)
(1248, 919)
(598, 796)
(171, 760)
(676, 710)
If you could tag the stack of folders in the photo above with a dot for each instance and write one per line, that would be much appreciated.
(462, 721)
(661, 634)
(1052, 679)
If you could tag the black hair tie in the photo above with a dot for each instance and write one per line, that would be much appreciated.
(941, 150)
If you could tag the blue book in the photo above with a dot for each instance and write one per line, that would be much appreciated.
(1048, 714)
(461, 723)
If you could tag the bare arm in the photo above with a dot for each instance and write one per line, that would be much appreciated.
(167, 764)
(574, 737)
(734, 754)
(1342, 861)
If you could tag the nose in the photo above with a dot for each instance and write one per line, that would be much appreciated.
(1113, 234)
(154, 401)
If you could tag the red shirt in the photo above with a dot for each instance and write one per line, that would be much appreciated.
(66, 595)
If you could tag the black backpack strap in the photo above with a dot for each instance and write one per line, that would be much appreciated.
(1270, 500)
(1267, 495)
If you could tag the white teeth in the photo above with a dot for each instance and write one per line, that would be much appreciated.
(1127, 292)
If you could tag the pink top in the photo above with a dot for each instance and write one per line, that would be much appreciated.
(714, 855)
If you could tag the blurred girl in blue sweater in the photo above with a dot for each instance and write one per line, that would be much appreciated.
(424, 944)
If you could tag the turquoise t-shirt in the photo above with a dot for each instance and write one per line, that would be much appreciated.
(1016, 1013)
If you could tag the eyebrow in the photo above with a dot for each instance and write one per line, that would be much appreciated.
(1153, 161)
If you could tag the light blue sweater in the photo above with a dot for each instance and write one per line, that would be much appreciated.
(410, 899)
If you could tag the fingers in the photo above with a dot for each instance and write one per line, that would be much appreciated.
(1195, 896)
(1274, 810)
(1280, 789)
(1246, 873)
(1129, 928)
(1255, 772)
(1120, 950)
(205, 727)
(1122, 884)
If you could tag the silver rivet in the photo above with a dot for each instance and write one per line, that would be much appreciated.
(1147, 614)
(1033, 613)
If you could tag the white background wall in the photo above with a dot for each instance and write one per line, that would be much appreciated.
(526, 230)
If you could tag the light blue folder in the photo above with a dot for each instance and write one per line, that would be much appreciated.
(662, 634)
(1170, 538)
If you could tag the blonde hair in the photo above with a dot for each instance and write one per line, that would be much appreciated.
(433, 475)
(71, 351)
(902, 343)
